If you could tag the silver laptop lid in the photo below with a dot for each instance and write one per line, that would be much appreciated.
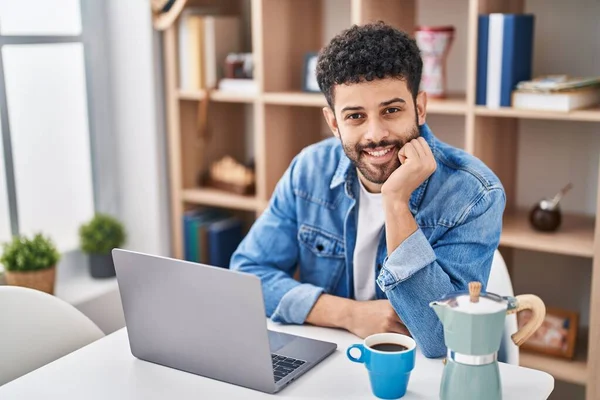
(205, 320)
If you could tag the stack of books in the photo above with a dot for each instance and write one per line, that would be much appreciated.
(557, 93)
(504, 56)
(211, 236)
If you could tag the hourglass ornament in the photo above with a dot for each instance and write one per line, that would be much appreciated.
(434, 43)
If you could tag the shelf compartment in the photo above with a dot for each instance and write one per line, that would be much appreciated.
(564, 370)
(586, 114)
(219, 198)
(572, 371)
(575, 237)
(454, 104)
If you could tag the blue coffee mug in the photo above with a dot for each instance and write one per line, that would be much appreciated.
(389, 371)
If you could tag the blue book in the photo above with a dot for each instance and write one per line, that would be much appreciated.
(482, 57)
(188, 218)
(504, 56)
(224, 237)
(191, 222)
(517, 54)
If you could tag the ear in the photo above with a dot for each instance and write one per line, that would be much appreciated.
(329, 115)
(421, 107)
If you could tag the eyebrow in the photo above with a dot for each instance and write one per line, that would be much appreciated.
(382, 104)
(394, 100)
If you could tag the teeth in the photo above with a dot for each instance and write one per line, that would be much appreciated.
(379, 153)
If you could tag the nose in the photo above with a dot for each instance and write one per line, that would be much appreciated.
(377, 131)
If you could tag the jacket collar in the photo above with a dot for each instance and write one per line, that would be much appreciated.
(346, 172)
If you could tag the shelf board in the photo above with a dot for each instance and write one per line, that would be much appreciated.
(575, 237)
(573, 371)
(295, 99)
(454, 104)
(219, 198)
(588, 114)
(191, 94)
(218, 96)
(564, 370)
(233, 97)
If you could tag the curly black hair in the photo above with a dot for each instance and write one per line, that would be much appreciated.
(368, 52)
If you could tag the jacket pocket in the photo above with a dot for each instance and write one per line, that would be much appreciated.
(322, 257)
(321, 243)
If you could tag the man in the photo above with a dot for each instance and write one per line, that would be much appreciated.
(383, 218)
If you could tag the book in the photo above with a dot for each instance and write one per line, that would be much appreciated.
(224, 238)
(505, 51)
(563, 100)
(192, 222)
(552, 83)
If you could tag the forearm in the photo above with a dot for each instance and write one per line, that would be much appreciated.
(331, 312)
(411, 302)
(399, 222)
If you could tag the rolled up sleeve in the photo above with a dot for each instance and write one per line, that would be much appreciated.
(419, 272)
(412, 255)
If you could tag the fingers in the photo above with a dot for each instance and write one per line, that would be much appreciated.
(398, 328)
(426, 148)
(409, 151)
(403, 330)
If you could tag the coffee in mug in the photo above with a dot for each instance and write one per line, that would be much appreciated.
(389, 347)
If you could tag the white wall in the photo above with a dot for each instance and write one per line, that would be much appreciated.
(143, 206)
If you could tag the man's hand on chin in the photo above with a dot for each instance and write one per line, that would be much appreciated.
(418, 163)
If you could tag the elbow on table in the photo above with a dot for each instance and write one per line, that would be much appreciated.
(433, 350)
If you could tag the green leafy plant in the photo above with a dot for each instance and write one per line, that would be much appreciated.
(102, 234)
(24, 254)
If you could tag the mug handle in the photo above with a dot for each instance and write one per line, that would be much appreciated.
(537, 307)
(362, 352)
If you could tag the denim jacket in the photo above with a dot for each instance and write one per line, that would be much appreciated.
(311, 220)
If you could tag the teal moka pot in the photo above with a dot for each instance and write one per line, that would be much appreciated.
(473, 326)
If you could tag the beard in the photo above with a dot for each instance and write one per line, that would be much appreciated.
(377, 173)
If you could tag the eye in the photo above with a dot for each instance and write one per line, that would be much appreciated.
(391, 110)
(354, 116)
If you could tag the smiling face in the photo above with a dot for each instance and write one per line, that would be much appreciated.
(373, 120)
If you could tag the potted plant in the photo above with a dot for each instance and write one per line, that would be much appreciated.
(97, 238)
(30, 262)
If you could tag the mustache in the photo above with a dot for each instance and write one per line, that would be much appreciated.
(383, 143)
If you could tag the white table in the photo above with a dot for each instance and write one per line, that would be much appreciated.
(107, 370)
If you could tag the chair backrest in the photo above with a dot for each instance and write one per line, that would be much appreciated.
(37, 328)
(499, 282)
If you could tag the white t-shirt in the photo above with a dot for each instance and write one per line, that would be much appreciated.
(371, 219)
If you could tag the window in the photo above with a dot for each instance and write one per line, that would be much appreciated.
(40, 17)
(5, 232)
(46, 118)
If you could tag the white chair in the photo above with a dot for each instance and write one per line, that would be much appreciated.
(499, 282)
(38, 328)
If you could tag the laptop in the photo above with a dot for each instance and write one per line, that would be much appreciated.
(208, 321)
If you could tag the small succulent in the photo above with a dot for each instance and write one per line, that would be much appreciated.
(102, 234)
(24, 254)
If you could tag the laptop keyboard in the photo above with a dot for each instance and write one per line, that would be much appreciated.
(283, 366)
